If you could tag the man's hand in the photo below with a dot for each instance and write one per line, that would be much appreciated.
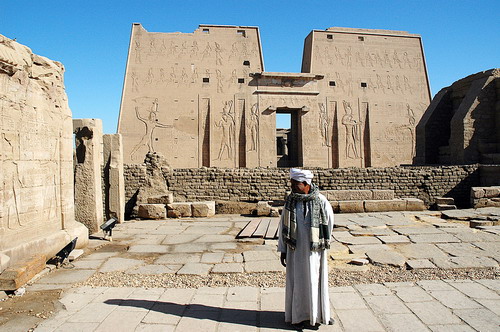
(283, 259)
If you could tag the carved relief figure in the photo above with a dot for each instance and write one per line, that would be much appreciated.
(369, 59)
(206, 52)
(234, 78)
(323, 124)
(137, 49)
(380, 85)
(150, 77)
(184, 77)
(406, 84)
(183, 48)
(218, 55)
(398, 84)
(387, 61)
(135, 82)
(253, 127)
(173, 48)
(152, 46)
(352, 132)
(163, 76)
(348, 56)
(173, 77)
(194, 49)
(227, 124)
(219, 81)
(234, 50)
(151, 123)
(406, 59)
(194, 75)
(397, 61)
(411, 128)
(244, 49)
(359, 59)
(163, 48)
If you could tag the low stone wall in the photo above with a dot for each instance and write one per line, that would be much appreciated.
(258, 184)
(485, 196)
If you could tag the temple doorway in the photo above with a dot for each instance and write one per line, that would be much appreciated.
(288, 137)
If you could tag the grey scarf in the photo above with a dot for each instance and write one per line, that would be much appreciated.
(320, 234)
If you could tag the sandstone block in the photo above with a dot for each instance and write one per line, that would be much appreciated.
(232, 207)
(348, 195)
(177, 210)
(444, 207)
(379, 194)
(477, 192)
(4, 262)
(161, 199)
(351, 206)
(445, 200)
(385, 205)
(414, 204)
(20, 273)
(335, 206)
(479, 223)
(263, 209)
(490, 192)
(203, 209)
(152, 211)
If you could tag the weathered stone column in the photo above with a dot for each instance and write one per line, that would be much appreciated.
(114, 183)
(88, 161)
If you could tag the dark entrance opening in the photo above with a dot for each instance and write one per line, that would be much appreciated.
(288, 137)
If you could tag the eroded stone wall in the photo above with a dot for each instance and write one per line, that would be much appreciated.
(36, 159)
(258, 184)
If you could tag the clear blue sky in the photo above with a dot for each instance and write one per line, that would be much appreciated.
(90, 37)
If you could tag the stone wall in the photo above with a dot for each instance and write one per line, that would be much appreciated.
(243, 184)
(36, 160)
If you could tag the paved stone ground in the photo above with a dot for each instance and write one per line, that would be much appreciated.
(432, 305)
(200, 247)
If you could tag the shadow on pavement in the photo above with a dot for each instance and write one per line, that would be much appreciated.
(258, 318)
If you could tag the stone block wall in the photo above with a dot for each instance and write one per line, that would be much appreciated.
(244, 184)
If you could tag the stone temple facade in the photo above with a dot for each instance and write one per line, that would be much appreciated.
(203, 99)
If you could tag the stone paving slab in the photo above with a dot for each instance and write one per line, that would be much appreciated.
(433, 238)
(195, 268)
(115, 264)
(434, 305)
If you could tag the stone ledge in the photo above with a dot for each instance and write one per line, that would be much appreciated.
(20, 273)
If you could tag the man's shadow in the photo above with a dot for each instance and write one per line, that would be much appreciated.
(257, 318)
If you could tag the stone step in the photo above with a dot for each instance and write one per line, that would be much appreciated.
(444, 207)
(17, 275)
(445, 200)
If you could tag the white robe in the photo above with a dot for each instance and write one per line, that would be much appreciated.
(306, 293)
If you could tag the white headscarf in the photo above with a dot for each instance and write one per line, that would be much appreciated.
(301, 175)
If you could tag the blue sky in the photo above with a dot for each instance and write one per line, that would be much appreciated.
(90, 37)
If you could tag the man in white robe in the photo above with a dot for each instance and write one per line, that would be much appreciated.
(304, 251)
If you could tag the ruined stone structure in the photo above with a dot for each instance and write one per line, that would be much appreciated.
(462, 124)
(36, 160)
(272, 184)
(204, 99)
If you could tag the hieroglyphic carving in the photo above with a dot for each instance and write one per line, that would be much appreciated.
(233, 79)
(227, 124)
(150, 122)
(352, 132)
(253, 127)
(152, 46)
(324, 124)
